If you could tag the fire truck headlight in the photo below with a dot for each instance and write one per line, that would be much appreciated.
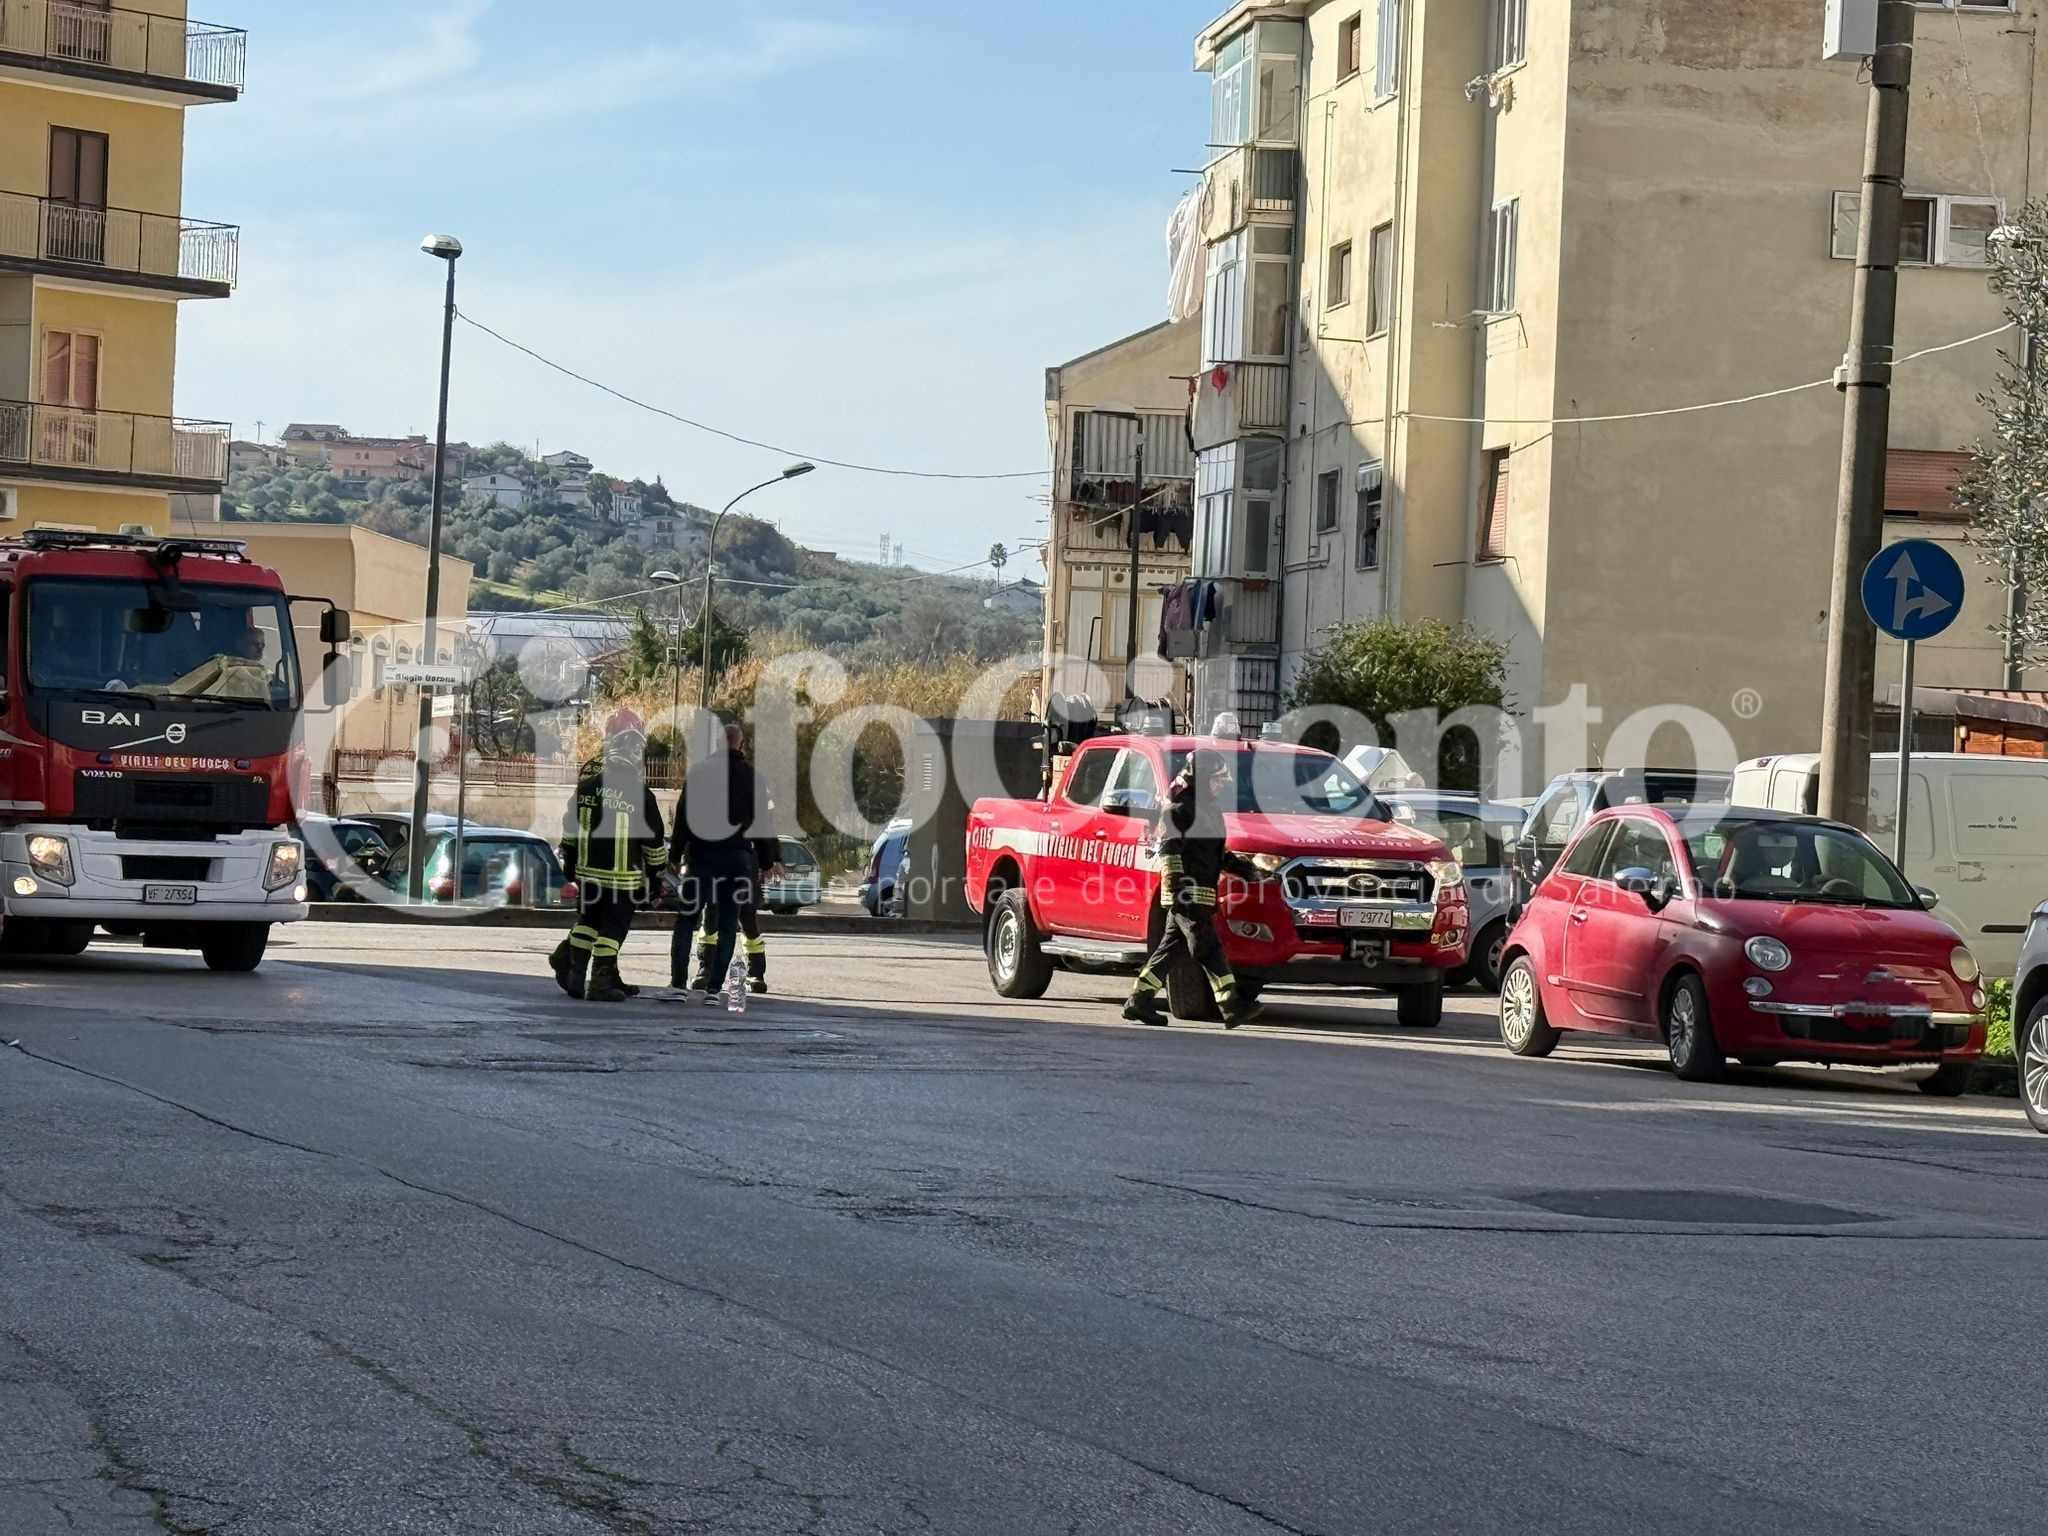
(25, 886)
(50, 857)
(287, 863)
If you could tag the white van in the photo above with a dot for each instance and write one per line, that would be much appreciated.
(1977, 834)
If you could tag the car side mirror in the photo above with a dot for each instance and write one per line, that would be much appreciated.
(1928, 897)
(1662, 893)
(1636, 882)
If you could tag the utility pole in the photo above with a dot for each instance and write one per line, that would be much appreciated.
(1865, 379)
(1137, 507)
(443, 248)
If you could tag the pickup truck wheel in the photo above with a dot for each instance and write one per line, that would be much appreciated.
(1487, 952)
(1420, 1007)
(1524, 1029)
(1187, 993)
(235, 946)
(1017, 967)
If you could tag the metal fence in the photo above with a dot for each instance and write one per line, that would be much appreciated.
(167, 48)
(112, 442)
(119, 239)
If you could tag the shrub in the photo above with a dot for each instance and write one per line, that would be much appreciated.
(1998, 1016)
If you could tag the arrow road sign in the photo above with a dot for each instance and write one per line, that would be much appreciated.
(1913, 590)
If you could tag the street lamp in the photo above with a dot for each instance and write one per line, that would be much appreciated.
(449, 249)
(801, 467)
(671, 579)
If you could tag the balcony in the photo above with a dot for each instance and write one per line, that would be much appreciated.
(1235, 400)
(118, 246)
(1255, 180)
(67, 445)
(132, 53)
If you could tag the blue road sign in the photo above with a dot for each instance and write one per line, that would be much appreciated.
(1913, 590)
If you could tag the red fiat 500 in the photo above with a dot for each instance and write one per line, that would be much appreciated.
(1738, 932)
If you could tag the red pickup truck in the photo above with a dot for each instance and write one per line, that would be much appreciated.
(1350, 899)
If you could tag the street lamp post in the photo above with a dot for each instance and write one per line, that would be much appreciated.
(449, 249)
(802, 467)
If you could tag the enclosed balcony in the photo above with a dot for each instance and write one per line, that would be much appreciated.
(119, 246)
(69, 445)
(122, 52)
(1234, 400)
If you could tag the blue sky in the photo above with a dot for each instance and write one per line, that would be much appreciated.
(860, 230)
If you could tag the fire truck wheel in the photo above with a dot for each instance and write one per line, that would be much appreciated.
(1420, 1007)
(67, 939)
(1017, 967)
(236, 946)
(1188, 995)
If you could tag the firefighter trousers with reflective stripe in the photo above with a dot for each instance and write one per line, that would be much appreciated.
(750, 926)
(1190, 930)
(606, 920)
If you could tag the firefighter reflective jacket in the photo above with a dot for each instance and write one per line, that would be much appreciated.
(612, 835)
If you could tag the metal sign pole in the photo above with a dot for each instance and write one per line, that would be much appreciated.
(1906, 728)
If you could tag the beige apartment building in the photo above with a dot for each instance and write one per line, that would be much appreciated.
(1441, 234)
(1095, 408)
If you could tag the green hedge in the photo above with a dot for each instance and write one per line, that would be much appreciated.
(1998, 1038)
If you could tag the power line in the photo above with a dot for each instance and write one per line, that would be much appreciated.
(700, 426)
(1689, 410)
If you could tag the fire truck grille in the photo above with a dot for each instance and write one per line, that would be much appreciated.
(206, 805)
(1357, 880)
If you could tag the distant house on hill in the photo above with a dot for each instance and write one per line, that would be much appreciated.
(1023, 597)
(506, 490)
(568, 462)
(308, 441)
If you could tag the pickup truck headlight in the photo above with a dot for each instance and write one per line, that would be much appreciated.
(1446, 873)
(287, 863)
(1268, 863)
(1964, 964)
(1768, 954)
(50, 857)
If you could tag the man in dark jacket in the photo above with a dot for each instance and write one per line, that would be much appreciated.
(1193, 856)
(714, 827)
(612, 849)
(764, 856)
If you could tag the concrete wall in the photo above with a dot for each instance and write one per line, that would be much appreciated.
(1689, 556)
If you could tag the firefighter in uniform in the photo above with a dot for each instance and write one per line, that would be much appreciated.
(1192, 856)
(764, 856)
(612, 848)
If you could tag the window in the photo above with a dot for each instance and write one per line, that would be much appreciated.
(1934, 230)
(1135, 778)
(1326, 500)
(1922, 483)
(1279, 99)
(1639, 845)
(1387, 70)
(1501, 252)
(1585, 859)
(1510, 33)
(1258, 538)
(1339, 285)
(1379, 276)
(1371, 501)
(1230, 104)
(1090, 775)
(1272, 309)
(71, 369)
(1349, 54)
(1493, 507)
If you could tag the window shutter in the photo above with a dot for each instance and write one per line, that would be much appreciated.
(1493, 508)
(85, 372)
(1922, 483)
(56, 367)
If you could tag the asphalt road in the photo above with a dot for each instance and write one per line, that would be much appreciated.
(393, 1238)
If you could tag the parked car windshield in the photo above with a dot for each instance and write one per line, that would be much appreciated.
(1273, 782)
(1745, 860)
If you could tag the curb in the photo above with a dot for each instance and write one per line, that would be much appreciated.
(820, 926)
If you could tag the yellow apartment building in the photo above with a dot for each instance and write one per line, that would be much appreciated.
(1440, 233)
(96, 255)
(1095, 407)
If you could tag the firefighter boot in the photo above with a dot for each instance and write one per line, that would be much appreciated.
(1143, 1008)
(571, 967)
(606, 985)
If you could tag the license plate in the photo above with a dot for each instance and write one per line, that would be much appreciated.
(170, 895)
(1368, 951)
(1367, 917)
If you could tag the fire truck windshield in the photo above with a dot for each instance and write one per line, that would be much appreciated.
(230, 646)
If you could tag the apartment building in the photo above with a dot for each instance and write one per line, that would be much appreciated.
(96, 254)
(1096, 407)
(1442, 234)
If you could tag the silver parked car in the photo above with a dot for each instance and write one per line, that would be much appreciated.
(1479, 834)
(2030, 1020)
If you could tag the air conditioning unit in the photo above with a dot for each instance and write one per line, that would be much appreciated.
(10, 504)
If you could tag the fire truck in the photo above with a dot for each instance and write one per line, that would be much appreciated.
(150, 756)
(1347, 899)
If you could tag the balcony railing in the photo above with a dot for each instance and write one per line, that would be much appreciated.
(112, 444)
(119, 240)
(1234, 400)
(140, 43)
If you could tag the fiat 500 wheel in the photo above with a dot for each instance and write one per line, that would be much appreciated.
(1524, 1029)
(1689, 1033)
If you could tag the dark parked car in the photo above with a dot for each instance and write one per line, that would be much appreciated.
(342, 856)
(500, 867)
(885, 860)
(2030, 1020)
(1573, 799)
(1478, 833)
(395, 827)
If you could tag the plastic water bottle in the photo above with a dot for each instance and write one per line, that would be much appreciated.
(736, 983)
